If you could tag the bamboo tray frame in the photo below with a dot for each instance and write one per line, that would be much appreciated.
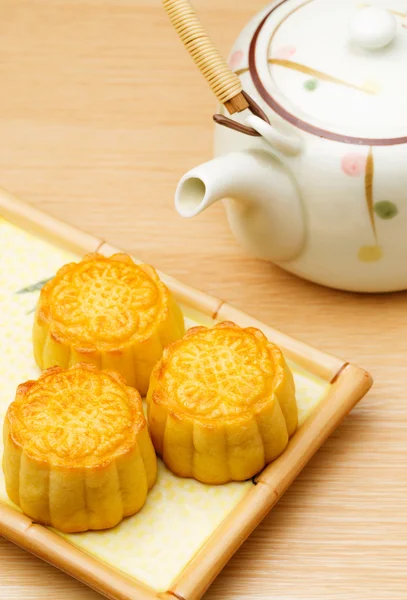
(348, 384)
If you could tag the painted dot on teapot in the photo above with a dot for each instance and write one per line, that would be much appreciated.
(370, 253)
(285, 52)
(353, 164)
(385, 209)
(311, 85)
(236, 59)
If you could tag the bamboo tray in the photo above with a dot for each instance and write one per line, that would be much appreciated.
(186, 533)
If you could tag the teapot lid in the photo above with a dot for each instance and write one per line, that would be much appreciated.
(335, 68)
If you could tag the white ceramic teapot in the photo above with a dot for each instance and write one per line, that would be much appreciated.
(322, 191)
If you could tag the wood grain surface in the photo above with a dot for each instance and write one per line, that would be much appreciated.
(83, 136)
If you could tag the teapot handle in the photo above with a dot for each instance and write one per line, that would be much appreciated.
(224, 83)
(254, 108)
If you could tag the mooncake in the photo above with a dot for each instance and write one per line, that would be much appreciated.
(221, 404)
(109, 312)
(77, 451)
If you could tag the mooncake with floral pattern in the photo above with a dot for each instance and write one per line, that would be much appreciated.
(77, 451)
(108, 312)
(221, 404)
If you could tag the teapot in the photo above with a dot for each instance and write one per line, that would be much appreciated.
(312, 170)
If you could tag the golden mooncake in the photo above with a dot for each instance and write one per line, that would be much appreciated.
(77, 452)
(109, 312)
(221, 404)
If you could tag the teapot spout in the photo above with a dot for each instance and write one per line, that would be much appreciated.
(262, 201)
(212, 181)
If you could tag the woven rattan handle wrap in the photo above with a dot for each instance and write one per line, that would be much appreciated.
(224, 83)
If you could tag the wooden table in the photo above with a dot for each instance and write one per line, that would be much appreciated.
(101, 111)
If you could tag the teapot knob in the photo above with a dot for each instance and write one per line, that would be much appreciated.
(373, 28)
